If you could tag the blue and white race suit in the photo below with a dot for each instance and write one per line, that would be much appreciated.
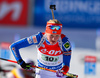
(49, 56)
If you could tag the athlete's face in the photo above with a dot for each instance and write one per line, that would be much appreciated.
(52, 38)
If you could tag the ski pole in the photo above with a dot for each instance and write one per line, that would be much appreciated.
(67, 74)
(8, 60)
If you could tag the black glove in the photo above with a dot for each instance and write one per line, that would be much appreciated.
(24, 65)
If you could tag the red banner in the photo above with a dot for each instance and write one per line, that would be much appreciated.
(90, 59)
(13, 12)
(5, 45)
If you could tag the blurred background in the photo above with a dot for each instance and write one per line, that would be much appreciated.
(81, 24)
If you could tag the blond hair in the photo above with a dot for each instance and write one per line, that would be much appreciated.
(53, 21)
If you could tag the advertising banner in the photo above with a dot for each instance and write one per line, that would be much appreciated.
(4, 50)
(71, 13)
(13, 12)
(90, 65)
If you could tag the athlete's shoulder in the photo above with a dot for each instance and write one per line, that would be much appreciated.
(43, 33)
(66, 43)
(35, 39)
(40, 34)
(64, 38)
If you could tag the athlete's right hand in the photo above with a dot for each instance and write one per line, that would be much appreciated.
(24, 65)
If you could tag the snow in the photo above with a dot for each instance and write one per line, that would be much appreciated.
(77, 62)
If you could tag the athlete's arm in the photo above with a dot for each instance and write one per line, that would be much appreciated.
(66, 53)
(25, 42)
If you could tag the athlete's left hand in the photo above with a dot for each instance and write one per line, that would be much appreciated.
(59, 73)
(64, 70)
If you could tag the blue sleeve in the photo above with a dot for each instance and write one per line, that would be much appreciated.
(25, 42)
(66, 51)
